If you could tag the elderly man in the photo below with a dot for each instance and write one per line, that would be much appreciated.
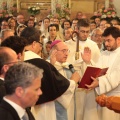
(96, 36)
(22, 83)
(6, 33)
(65, 108)
(20, 19)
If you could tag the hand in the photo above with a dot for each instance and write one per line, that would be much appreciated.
(86, 55)
(53, 56)
(76, 77)
(101, 100)
(94, 84)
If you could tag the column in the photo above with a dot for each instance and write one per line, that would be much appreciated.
(53, 6)
(69, 3)
(106, 3)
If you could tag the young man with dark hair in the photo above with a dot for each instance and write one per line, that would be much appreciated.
(84, 109)
(84, 40)
(109, 84)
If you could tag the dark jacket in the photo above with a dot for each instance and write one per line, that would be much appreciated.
(2, 90)
(7, 112)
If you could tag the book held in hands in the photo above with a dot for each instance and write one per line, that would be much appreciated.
(91, 72)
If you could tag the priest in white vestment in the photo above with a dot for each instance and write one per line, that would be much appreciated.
(86, 106)
(109, 84)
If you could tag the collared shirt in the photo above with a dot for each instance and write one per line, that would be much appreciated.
(2, 78)
(20, 111)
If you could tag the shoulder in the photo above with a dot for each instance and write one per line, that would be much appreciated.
(40, 63)
(70, 42)
(106, 52)
(5, 114)
(91, 42)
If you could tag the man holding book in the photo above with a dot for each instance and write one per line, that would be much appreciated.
(85, 100)
(108, 84)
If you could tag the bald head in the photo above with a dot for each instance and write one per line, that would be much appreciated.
(6, 33)
(20, 19)
(62, 52)
(7, 56)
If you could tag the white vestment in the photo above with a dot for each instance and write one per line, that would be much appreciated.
(109, 84)
(86, 106)
(69, 104)
(95, 52)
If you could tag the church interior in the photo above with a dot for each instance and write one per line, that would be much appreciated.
(62, 39)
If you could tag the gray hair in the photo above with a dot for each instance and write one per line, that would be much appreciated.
(21, 75)
(3, 32)
(95, 30)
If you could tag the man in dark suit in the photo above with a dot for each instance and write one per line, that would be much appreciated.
(7, 58)
(22, 83)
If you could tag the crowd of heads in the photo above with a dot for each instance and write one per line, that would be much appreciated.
(47, 30)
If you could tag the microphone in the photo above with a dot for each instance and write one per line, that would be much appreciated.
(71, 68)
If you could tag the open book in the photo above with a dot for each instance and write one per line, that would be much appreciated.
(91, 71)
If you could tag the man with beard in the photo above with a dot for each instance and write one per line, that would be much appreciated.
(109, 83)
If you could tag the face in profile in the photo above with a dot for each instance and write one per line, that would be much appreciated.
(110, 43)
(31, 94)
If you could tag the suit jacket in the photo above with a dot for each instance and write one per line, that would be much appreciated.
(7, 112)
(2, 90)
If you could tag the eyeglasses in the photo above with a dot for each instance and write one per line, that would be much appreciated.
(4, 25)
(97, 35)
(64, 51)
(39, 43)
(83, 31)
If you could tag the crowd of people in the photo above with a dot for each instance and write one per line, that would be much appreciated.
(37, 81)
